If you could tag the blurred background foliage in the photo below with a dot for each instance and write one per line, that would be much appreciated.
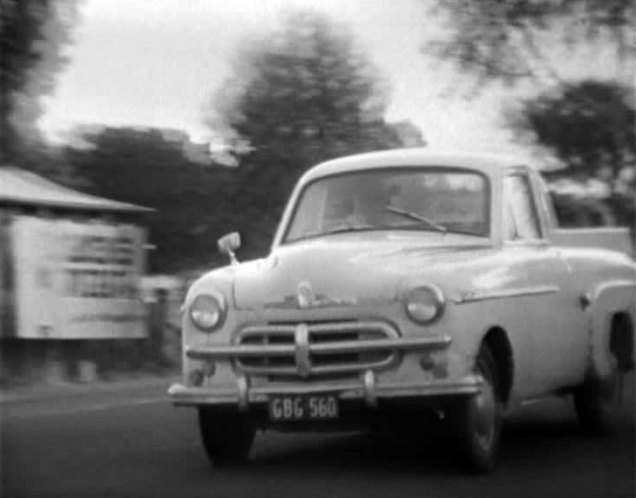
(306, 92)
(511, 41)
(302, 94)
(193, 201)
(33, 34)
(587, 125)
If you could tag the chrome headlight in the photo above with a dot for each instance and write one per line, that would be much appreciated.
(207, 311)
(424, 304)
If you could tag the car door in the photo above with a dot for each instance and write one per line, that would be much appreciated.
(554, 315)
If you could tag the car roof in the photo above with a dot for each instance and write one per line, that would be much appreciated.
(487, 163)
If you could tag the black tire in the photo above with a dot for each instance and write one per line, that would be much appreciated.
(227, 437)
(476, 421)
(597, 400)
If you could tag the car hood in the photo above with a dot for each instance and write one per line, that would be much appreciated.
(353, 270)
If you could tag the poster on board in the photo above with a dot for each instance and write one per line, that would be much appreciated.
(75, 280)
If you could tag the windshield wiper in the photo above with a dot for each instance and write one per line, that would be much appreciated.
(417, 217)
(352, 227)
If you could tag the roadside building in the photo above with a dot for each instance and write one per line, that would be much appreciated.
(71, 266)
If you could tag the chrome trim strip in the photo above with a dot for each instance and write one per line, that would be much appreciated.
(258, 350)
(318, 328)
(318, 370)
(353, 327)
(268, 370)
(380, 344)
(229, 351)
(267, 329)
(353, 367)
(471, 297)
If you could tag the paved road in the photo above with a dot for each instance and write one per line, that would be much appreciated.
(134, 444)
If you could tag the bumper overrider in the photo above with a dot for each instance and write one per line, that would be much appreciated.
(366, 386)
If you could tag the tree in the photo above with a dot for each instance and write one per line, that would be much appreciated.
(509, 40)
(32, 35)
(589, 125)
(299, 95)
(154, 168)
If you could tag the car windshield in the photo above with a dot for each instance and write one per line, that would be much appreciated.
(429, 199)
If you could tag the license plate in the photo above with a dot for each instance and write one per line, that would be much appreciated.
(303, 407)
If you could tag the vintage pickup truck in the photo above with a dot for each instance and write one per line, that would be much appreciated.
(410, 282)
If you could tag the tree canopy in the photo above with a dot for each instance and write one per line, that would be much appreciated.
(506, 40)
(32, 35)
(300, 94)
(155, 168)
(589, 125)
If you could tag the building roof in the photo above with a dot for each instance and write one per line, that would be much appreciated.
(24, 188)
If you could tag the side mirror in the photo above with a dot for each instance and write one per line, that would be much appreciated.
(230, 243)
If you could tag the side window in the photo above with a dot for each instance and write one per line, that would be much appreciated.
(520, 213)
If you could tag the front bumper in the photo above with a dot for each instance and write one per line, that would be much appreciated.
(367, 389)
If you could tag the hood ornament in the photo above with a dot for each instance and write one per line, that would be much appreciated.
(305, 295)
(307, 298)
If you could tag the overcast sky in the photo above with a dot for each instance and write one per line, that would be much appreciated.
(156, 62)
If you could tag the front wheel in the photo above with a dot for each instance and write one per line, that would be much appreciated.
(227, 436)
(476, 421)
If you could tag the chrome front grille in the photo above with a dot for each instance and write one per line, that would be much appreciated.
(316, 349)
